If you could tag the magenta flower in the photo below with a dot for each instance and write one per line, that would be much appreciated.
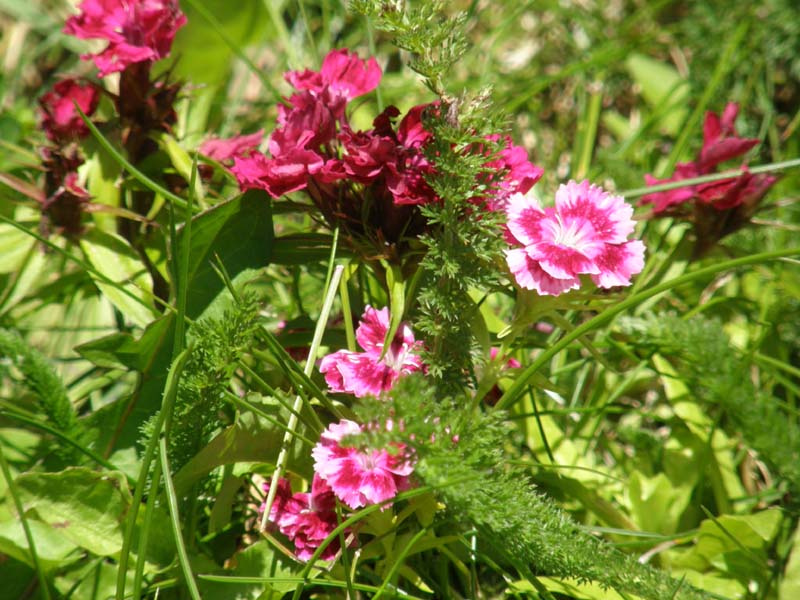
(342, 75)
(227, 149)
(512, 172)
(720, 144)
(306, 518)
(585, 233)
(60, 121)
(136, 30)
(357, 477)
(372, 372)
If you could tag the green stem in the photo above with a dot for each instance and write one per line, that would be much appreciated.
(516, 389)
(172, 503)
(12, 490)
(288, 437)
(673, 185)
(170, 392)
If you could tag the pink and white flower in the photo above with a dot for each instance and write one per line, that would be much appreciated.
(585, 233)
(372, 371)
(358, 477)
(136, 30)
(306, 518)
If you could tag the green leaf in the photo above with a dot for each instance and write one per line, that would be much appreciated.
(53, 548)
(397, 300)
(662, 87)
(657, 503)
(790, 584)
(182, 162)
(123, 350)
(257, 561)
(113, 257)
(211, 58)
(239, 232)
(85, 506)
(250, 439)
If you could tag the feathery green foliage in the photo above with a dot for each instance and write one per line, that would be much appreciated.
(219, 343)
(703, 357)
(42, 380)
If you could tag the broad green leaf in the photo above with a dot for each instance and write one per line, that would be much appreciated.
(397, 299)
(239, 232)
(85, 506)
(656, 502)
(123, 350)
(102, 185)
(571, 589)
(662, 88)
(112, 256)
(250, 439)
(790, 584)
(15, 245)
(746, 535)
(53, 548)
(260, 561)
(211, 58)
(90, 581)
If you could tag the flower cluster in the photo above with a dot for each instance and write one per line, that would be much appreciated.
(136, 30)
(359, 477)
(374, 370)
(585, 233)
(64, 199)
(367, 180)
(354, 476)
(720, 144)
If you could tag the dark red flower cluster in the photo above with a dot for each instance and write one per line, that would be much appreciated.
(64, 198)
(358, 177)
(306, 518)
(59, 119)
(720, 144)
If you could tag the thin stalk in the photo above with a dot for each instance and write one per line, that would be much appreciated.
(283, 456)
(12, 490)
(172, 504)
(516, 389)
(347, 313)
(123, 162)
(144, 536)
(664, 187)
(170, 392)
(399, 562)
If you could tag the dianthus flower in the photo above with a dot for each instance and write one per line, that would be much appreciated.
(720, 144)
(585, 233)
(136, 30)
(306, 518)
(342, 77)
(357, 477)
(60, 121)
(372, 371)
